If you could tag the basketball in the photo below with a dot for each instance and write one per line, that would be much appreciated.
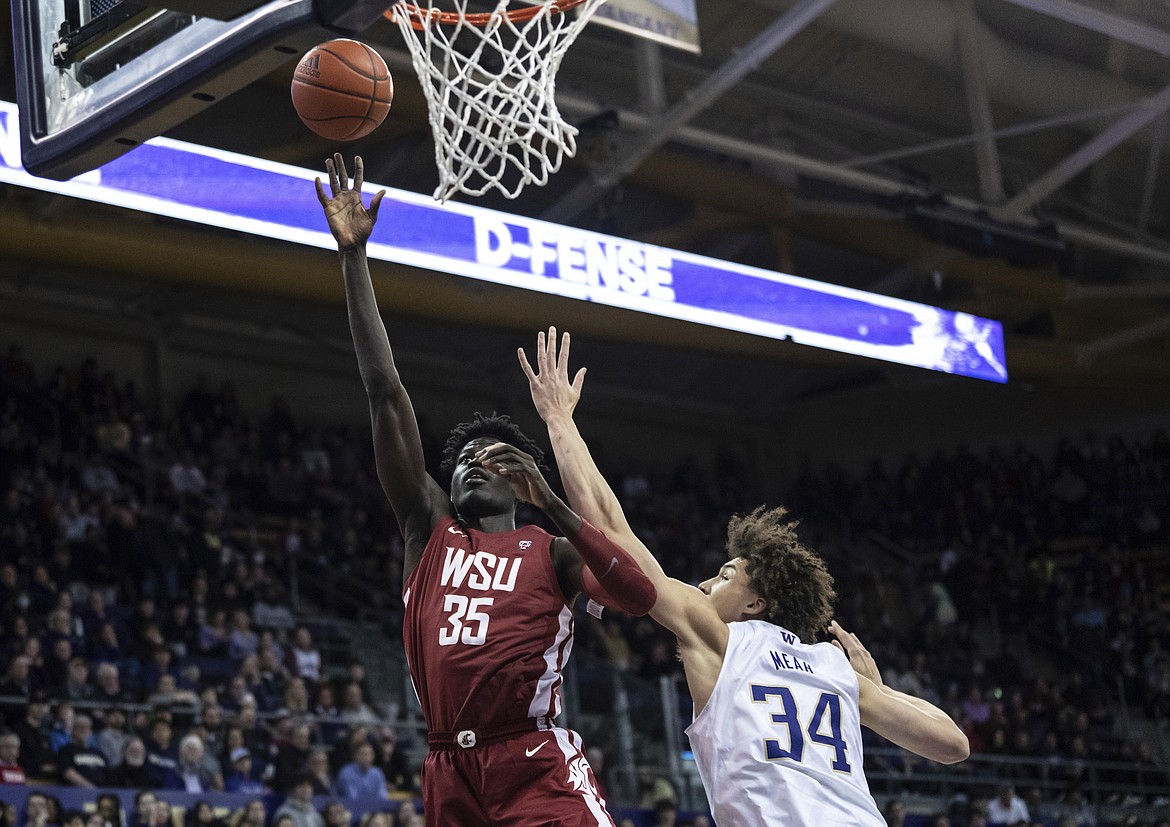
(342, 90)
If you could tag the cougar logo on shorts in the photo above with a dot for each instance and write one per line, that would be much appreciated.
(525, 544)
(579, 776)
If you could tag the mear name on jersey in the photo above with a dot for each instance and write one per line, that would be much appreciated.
(789, 660)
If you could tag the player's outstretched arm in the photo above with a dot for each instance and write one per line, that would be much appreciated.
(909, 722)
(679, 607)
(416, 499)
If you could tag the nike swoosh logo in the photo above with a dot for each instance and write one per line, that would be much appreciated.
(535, 749)
(612, 564)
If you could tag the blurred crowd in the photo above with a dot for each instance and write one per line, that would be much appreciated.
(148, 635)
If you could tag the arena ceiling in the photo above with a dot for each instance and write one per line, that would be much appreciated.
(1002, 157)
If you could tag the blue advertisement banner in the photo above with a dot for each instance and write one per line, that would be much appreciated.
(250, 195)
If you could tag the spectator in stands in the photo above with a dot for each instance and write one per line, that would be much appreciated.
(665, 813)
(77, 686)
(107, 650)
(186, 477)
(200, 814)
(161, 756)
(79, 764)
(299, 804)
(296, 698)
(214, 635)
(36, 810)
(61, 727)
(112, 739)
(360, 778)
(192, 774)
(895, 812)
(353, 707)
(242, 641)
(306, 658)
(274, 677)
(145, 804)
(270, 610)
(407, 816)
(10, 769)
(253, 814)
(335, 815)
(109, 808)
(317, 766)
(133, 771)
(55, 669)
(180, 630)
(392, 761)
(72, 818)
(17, 680)
(291, 757)
(256, 736)
(375, 819)
(1007, 808)
(329, 724)
(167, 695)
(241, 779)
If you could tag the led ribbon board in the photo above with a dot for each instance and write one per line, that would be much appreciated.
(223, 189)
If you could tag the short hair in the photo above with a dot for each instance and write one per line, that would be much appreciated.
(792, 579)
(496, 425)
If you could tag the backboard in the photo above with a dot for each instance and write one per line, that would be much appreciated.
(95, 78)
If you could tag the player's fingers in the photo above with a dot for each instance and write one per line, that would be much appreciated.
(541, 354)
(837, 643)
(324, 199)
(524, 366)
(375, 203)
(359, 173)
(563, 357)
(579, 381)
(331, 168)
(550, 344)
(342, 173)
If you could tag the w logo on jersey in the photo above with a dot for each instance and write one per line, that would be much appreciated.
(580, 777)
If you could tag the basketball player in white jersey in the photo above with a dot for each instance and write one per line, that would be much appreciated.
(777, 729)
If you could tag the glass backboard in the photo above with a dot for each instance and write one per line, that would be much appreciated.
(95, 78)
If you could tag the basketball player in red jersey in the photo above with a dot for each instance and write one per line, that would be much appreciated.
(488, 623)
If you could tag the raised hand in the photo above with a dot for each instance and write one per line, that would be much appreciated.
(859, 657)
(520, 472)
(552, 392)
(350, 222)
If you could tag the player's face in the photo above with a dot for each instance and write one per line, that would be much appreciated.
(731, 592)
(476, 491)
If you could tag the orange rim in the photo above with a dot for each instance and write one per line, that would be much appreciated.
(420, 18)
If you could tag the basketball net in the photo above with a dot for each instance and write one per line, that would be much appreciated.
(489, 80)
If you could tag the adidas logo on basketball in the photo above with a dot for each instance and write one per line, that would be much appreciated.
(310, 66)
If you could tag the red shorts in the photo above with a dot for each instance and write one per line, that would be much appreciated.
(536, 779)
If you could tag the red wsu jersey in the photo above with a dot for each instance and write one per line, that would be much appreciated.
(487, 631)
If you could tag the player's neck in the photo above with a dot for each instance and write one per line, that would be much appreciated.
(493, 523)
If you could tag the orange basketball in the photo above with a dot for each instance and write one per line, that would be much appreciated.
(342, 90)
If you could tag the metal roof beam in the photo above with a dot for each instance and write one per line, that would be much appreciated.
(662, 129)
(1077, 162)
(1113, 25)
(978, 105)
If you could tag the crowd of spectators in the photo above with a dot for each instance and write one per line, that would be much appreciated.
(146, 618)
(146, 638)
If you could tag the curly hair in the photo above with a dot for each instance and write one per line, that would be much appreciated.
(792, 579)
(496, 425)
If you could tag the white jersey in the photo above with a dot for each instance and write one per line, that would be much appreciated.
(779, 741)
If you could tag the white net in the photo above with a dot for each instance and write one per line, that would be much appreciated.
(490, 91)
